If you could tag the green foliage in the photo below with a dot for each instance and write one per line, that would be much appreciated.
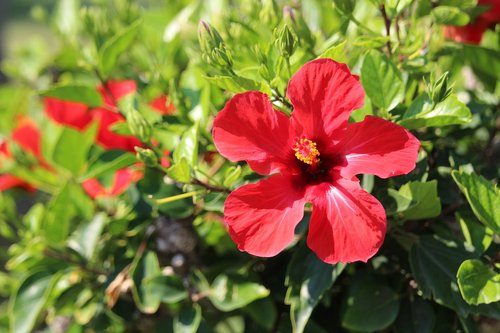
(133, 238)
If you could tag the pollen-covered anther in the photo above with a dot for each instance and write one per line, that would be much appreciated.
(306, 150)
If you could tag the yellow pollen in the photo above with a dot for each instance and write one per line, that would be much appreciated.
(306, 151)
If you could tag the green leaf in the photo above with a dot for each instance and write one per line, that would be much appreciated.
(415, 316)
(395, 7)
(370, 306)
(188, 146)
(180, 171)
(449, 16)
(238, 84)
(417, 200)
(370, 42)
(188, 320)
(169, 288)
(434, 263)
(382, 81)
(344, 6)
(29, 299)
(421, 113)
(144, 268)
(109, 161)
(59, 214)
(114, 47)
(336, 52)
(75, 93)
(72, 148)
(229, 293)
(263, 311)
(476, 235)
(485, 61)
(307, 279)
(478, 283)
(483, 197)
(84, 239)
(231, 175)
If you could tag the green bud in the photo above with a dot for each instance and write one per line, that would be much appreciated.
(440, 90)
(269, 13)
(345, 7)
(212, 46)
(299, 26)
(147, 156)
(287, 43)
(138, 125)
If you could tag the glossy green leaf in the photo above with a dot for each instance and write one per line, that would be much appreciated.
(483, 197)
(395, 7)
(59, 214)
(231, 175)
(434, 263)
(336, 52)
(84, 239)
(72, 148)
(229, 293)
(382, 81)
(422, 113)
(307, 279)
(114, 47)
(238, 84)
(188, 146)
(143, 268)
(416, 315)
(450, 16)
(180, 171)
(482, 59)
(478, 283)
(87, 95)
(169, 288)
(370, 306)
(476, 235)
(417, 200)
(263, 311)
(109, 161)
(188, 320)
(29, 300)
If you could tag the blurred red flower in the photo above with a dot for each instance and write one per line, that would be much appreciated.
(79, 115)
(313, 156)
(162, 105)
(27, 136)
(121, 181)
(473, 32)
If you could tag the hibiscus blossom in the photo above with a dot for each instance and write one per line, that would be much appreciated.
(472, 33)
(313, 156)
(162, 105)
(79, 115)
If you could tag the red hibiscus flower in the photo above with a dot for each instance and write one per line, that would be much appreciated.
(162, 105)
(473, 32)
(79, 116)
(27, 136)
(313, 156)
(122, 180)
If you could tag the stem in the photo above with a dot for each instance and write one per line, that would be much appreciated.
(287, 60)
(177, 197)
(209, 187)
(361, 25)
(387, 23)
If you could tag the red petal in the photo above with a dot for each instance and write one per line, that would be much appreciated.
(123, 179)
(380, 147)
(323, 93)
(67, 113)
(115, 90)
(162, 105)
(262, 217)
(470, 34)
(8, 181)
(347, 223)
(27, 136)
(106, 137)
(248, 128)
(93, 188)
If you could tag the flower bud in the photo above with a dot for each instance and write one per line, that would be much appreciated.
(212, 46)
(21, 156)
(439, 90)
(138, 125)
(299, 26)
(147, 156)
(287, 43)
